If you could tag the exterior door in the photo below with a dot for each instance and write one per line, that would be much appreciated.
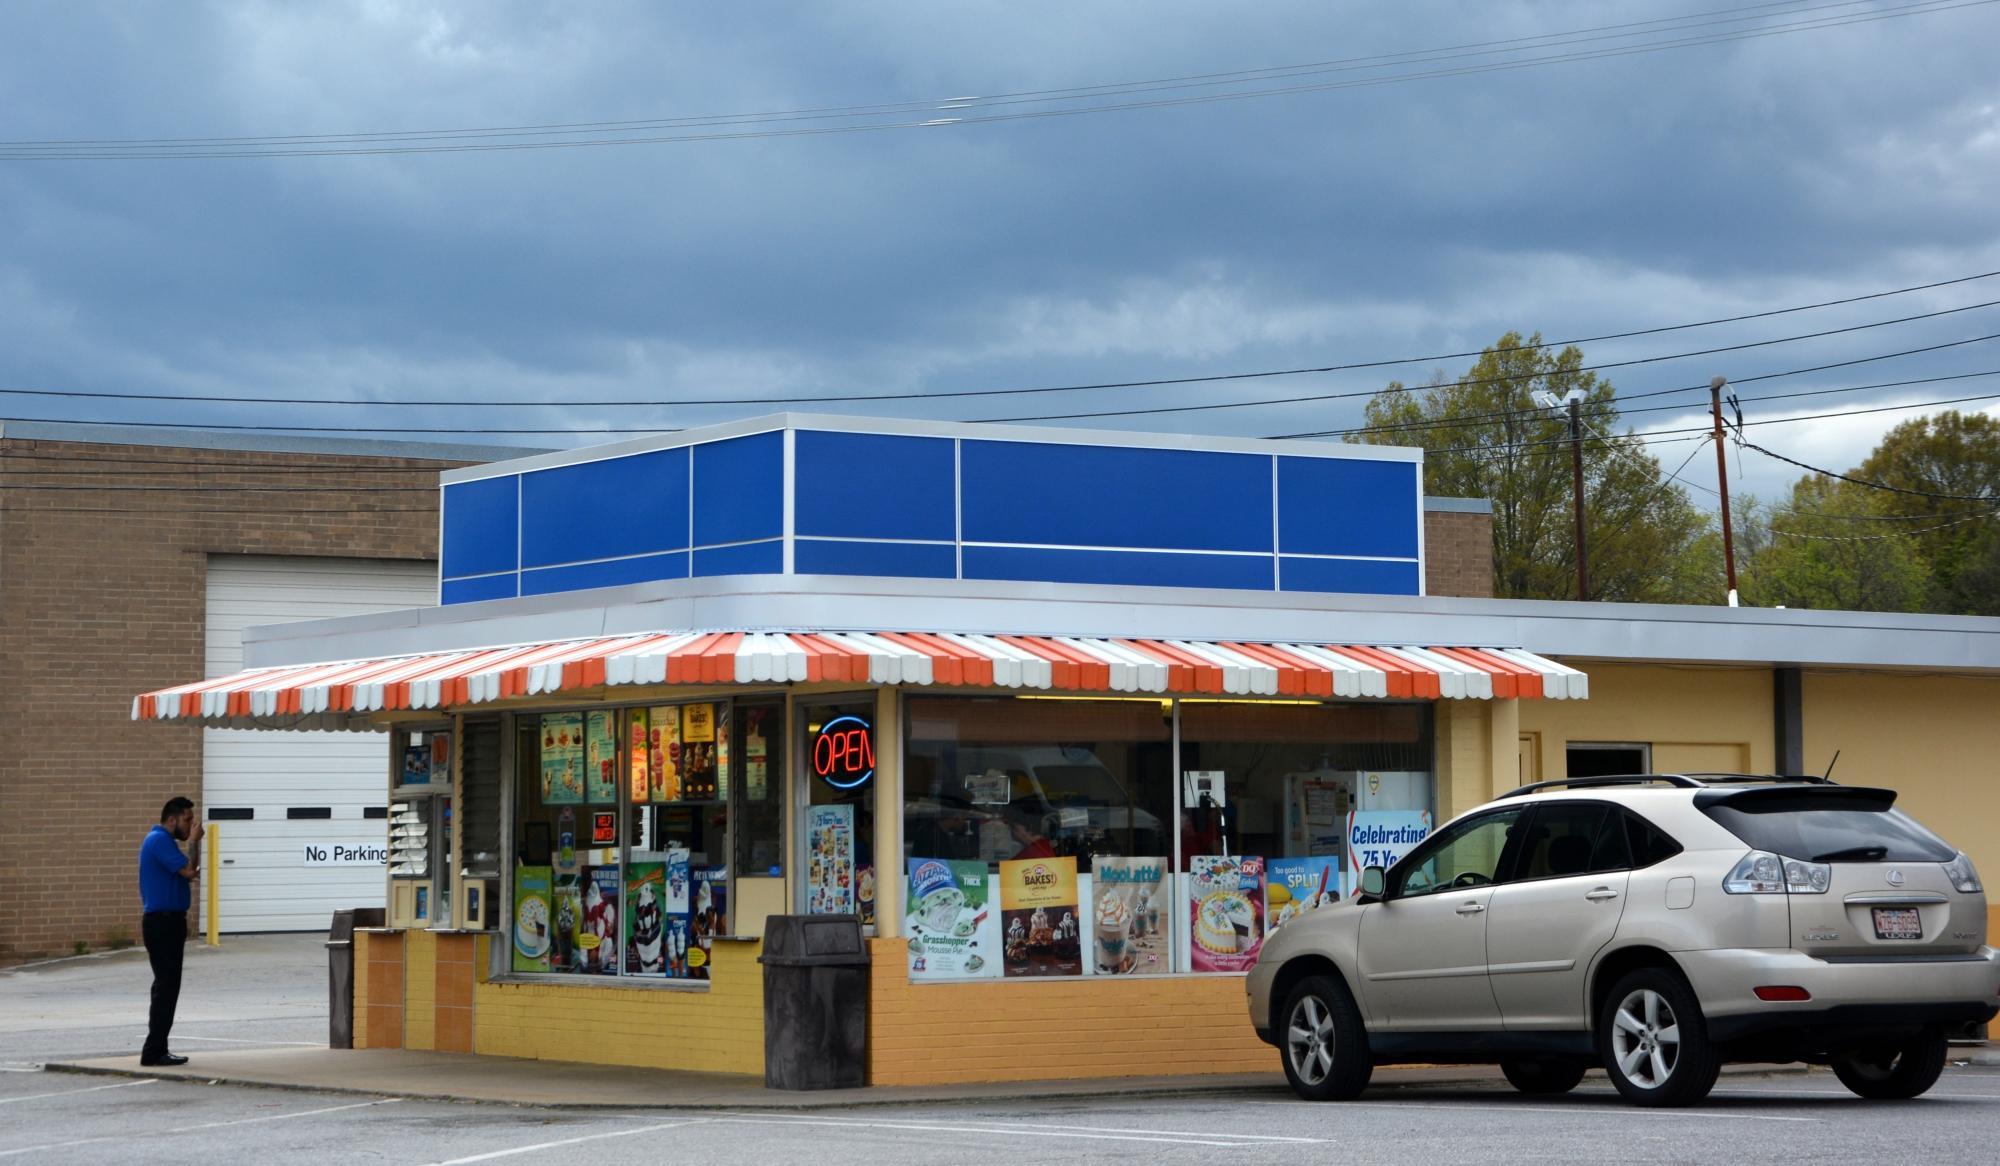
(1557, 912)
(1423, 949)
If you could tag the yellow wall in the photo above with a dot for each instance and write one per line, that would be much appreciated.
(419, 990)
(1695, 718)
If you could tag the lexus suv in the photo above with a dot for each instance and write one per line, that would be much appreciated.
(1657, 926)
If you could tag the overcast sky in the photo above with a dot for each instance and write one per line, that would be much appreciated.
(1298, 229)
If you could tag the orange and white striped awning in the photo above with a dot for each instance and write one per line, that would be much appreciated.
(1068, 664)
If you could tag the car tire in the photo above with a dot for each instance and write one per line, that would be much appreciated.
(1540, 1075)
(1895, 1072)
(1322, 1041)
(1654, 1041)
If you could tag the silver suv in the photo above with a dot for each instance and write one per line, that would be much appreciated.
(1656, 926)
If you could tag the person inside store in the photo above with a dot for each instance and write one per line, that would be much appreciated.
(165, 878)
(1026, 827)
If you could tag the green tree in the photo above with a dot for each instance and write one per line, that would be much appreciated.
(1949, 453)
(1484, 437)
(1820, 551)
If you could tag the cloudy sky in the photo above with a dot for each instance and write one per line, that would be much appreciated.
(1413, 203)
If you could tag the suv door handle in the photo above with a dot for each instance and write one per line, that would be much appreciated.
(1601, 894)
(1471, 908)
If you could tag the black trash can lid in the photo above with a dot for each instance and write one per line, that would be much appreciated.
(805, 941)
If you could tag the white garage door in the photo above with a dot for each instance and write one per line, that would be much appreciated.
(274, 793)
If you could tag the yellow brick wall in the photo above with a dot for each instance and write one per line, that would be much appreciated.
(419, 990)
(1026, 1030)
(717, 1031)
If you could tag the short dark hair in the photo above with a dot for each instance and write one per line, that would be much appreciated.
(174, 808)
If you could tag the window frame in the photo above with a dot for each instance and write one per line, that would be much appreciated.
(1503, 870)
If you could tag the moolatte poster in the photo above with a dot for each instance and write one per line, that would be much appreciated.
(562, 759)
(1294, 886)
(534, 923)
(830, 860)
(1226, 911)
(951, 920)
(1131, 917)
(1041, 929)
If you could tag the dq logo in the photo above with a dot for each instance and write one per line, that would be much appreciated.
(843, 753)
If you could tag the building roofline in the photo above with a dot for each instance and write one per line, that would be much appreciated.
(84, 432)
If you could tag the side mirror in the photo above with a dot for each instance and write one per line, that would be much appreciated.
(1373, 881)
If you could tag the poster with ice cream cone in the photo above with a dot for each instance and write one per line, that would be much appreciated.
(1294, 886)
(597, 932)
(638, 745)
(1131, 917)
(646, 919)
(600, 759)
(1226, 911)
(1041, 927)
(952, 920)
(562, 759)
(663, 753)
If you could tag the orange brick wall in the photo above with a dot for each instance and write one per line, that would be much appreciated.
(452, 1032)
(1026, 1030)
(383, 1024)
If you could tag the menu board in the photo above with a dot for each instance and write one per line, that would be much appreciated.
(562, 758)
(663, 753)
(645, 919)
(639, 746)
(600, 762)
(1293, 886)
(1226, 912)
(1038, 917)
(1131, 917)
(533, 925)
(597, 932)
(698, 753)
(951, 920)
(830, 860)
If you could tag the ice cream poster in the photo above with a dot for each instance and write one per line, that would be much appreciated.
(533, 926)
(566, 956)
(646, 919)
(830, 860)
(679, 881)
(711, 909)
(1226, 911)
(639, 748)
(562, 759)
(951, 920)
(1293, 886)
(1041, 929)
(600, 758)
(597, 929)
(1131, 917)
(663, 753)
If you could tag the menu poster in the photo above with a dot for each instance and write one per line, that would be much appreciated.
(440, 759)
(864, 894)
(416, 765)
(562, 759)
(600, 761)
(711, 911)
(756, 753)
(565, 955)
(639, 746)
(1227, 908)
(698, 781)
(829, 860)
(663, 753)
(1132, 916)
(532, 920)
(1293, 886)
(597, 935)
(1038, 917)
(951, 920)
(722, 772)
(645, 919)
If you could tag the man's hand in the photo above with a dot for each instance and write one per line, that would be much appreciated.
(195, 832)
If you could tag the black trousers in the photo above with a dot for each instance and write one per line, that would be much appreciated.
(165, 933)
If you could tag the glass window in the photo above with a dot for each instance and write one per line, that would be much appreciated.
(760, 805)
(1829, 827)
(1467, 855)
(839, 756)
(1649, 843)
(1573, 839)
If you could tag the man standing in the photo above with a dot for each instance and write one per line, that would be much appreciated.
(164, 877)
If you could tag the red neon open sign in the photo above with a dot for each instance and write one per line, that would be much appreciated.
(843, 753)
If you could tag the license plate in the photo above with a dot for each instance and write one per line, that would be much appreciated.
(1898, 923)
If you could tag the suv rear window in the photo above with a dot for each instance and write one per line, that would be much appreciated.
(1828, 828)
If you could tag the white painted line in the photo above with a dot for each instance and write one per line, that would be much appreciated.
(1084, 1133)
(70, 1092)
(569, 1142)
(210, 1125)
(1842, 1092)
(1047, 1126)
(1621, 1112)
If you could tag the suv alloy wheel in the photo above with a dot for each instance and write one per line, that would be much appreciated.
(1654, 1040)
(1325, 1046)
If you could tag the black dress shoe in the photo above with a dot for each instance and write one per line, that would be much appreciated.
(170, 1060)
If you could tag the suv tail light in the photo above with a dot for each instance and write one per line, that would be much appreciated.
(1964, 879)
(1777, 992)
(1763, 873)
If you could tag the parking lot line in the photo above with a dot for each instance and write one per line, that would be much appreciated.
(508, 1153)
(207, 1125)
(73, 1092)
(1025, 1130)
(1621, 1111)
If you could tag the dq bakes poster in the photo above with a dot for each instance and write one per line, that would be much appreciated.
(1041, 929)
(1226, 912)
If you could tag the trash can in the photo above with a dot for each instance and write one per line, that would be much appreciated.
(340, 981)
(815, 1002)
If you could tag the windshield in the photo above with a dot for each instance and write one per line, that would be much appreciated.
(1818, 828)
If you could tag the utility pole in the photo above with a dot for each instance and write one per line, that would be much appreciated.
(1722, 481)
(1576, 465)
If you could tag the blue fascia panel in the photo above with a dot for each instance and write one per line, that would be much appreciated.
(605, 509)
(482, 527)
(1102, 496)
(1350, 576)
(764, 558)
(615, 573)
(902, 560)
(739, 490)
(474, 590)
(866, 485)
(1341, 506)
(1131, 568)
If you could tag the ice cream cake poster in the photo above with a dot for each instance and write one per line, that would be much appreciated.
(1041, 928)
(1131, 917)
(952, 921)
(533, 926)
(1293, 886)
(1226, 908)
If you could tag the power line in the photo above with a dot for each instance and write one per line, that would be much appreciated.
(1864, 481)
(1866, 538)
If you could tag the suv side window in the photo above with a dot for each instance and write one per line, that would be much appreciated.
(1469, 854)
(1573, 838)
(1649, 843)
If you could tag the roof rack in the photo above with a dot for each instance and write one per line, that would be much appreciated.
(1674, 779)
(1773, 778)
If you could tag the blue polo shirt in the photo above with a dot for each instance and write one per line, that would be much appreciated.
(161, 887)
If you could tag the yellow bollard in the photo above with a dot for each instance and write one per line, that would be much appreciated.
(212, 863)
